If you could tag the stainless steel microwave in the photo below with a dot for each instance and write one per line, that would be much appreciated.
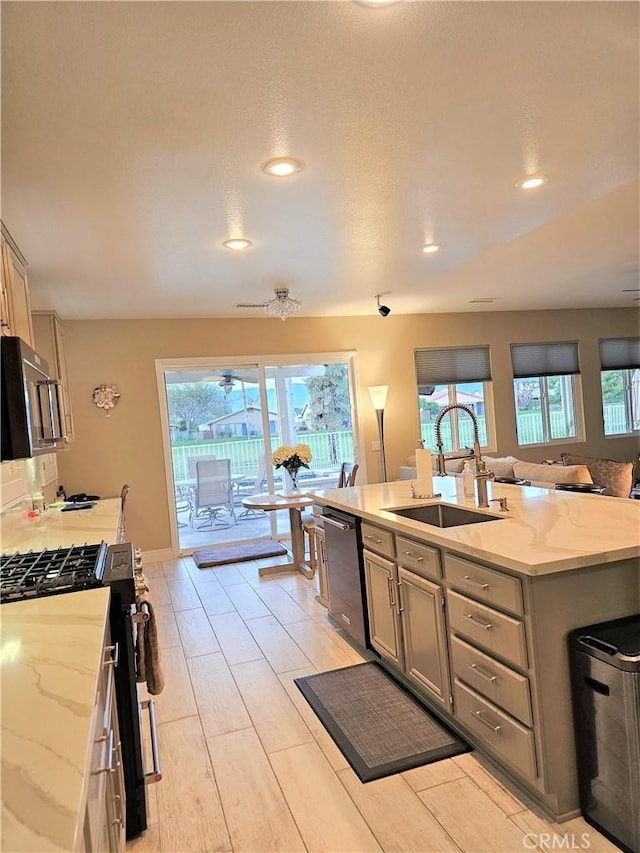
(32, 419)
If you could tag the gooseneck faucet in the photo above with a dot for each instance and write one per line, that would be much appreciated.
(482, 475)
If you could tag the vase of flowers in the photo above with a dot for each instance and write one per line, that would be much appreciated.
(292, 459)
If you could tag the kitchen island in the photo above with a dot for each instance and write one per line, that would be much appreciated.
(474, 618)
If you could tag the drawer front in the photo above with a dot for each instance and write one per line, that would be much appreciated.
(378, 540)
(494, 631)
(504, 736)
(497, 682)
(488, 585)
(420, 558)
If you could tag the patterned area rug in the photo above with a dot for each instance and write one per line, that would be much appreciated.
(378, 725)
(219, 554)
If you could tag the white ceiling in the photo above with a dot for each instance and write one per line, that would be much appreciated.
(133, 134)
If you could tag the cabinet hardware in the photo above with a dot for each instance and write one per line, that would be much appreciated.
(478, 621)
(496, 729)
(478, 669)
(392, 602)
(372, 539)
(473, 582)
(108, 768)
(417, 557)
(114, 652)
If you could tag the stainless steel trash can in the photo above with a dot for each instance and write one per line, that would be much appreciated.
(605, 680)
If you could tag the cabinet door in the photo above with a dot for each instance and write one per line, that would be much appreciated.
(5, 318)
(382, 599)
(15, 275)
(425, 637)
(49, 343)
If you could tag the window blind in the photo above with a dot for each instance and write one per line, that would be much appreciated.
(452, 364)
(548, 359)
(619, 353)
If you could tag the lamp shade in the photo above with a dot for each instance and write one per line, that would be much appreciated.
(378, 394)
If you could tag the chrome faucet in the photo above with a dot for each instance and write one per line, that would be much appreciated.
(482, 475)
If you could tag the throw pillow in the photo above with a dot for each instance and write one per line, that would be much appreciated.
(552, 473)
(501, 466)
(616, 477)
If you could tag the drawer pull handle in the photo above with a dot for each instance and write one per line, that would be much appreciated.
(478, 621)
(114, 655)
(392, 602)
(473, 582)
(413, 554)
(496, 729)
(487, 675)
(373, 539)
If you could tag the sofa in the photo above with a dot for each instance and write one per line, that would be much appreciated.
(614, 477)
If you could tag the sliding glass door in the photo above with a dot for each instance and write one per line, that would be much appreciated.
(222, 422)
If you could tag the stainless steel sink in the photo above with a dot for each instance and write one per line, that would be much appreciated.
(443, 515)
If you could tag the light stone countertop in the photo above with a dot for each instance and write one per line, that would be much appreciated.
(545, 531)
(52, 655)
(57, 529)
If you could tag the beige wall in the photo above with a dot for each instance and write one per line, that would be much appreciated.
(127, 447)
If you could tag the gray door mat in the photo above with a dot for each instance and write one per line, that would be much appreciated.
(379, 727)
(217, 555)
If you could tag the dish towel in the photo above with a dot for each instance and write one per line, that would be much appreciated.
(147, 650)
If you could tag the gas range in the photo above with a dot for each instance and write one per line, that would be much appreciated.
(50, 572)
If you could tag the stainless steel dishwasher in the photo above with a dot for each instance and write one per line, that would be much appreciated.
(345, 573)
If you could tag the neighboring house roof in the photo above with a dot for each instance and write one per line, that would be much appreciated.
(240, 416)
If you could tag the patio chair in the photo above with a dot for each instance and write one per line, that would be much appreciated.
(254, 489)
(191, 464)
(348, 473)
(214, 493)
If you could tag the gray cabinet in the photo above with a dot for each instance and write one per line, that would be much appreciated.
(425, 635)
(381, 577)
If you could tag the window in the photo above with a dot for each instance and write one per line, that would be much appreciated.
(546, 388)
(455, 375)
(620, 383)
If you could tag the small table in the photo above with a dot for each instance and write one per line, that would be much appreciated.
(295, 505)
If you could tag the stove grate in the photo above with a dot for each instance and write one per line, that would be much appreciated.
(47, 572)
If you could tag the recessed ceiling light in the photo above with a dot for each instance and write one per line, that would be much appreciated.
(531, 182)
(237, 243)
(282, 167)
(430, 248)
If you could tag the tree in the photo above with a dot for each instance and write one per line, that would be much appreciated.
(612, 386)
(195, 403)
(329, 403)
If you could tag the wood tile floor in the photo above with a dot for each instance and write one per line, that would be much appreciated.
(247, 766)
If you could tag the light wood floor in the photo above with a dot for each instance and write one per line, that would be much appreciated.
(248, 767)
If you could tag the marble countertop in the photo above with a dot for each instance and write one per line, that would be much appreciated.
(57, 529)
(52, 655)
(544, 531)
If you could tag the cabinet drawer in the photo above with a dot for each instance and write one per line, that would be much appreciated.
(504, 736)
(378, 540)
(494, 631)
(497, 682)
(486, 584)
(418, 557)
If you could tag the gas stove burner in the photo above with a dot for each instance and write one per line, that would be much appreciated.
(50, 572)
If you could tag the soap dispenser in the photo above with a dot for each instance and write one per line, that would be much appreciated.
(467, 480)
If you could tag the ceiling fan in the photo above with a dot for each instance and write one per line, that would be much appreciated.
(280, 306)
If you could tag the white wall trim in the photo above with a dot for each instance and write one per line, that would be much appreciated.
(158, 556)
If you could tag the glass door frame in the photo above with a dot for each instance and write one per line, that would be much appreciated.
(260, 362)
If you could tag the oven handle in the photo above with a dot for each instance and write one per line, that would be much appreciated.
(156, 774)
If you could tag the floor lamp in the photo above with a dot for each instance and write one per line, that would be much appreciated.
(378, 394)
